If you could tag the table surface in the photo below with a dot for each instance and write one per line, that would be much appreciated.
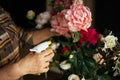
(50, 76)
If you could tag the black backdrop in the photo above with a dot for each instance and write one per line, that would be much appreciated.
(107, 16)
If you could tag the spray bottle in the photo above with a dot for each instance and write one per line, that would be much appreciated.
(40, 47)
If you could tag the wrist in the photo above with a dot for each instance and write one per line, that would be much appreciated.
(10, 72)
(20, 68)
(16, 70)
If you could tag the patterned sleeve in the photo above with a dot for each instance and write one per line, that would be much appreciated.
(26, 37)
(15, 39)
(9, 41)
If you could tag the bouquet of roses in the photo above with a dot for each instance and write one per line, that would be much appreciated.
(87, 55)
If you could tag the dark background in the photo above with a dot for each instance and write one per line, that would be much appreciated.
(107, 16)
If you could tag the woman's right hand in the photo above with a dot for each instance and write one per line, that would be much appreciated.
(35, 63)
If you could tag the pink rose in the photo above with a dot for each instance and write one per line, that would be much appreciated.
(79, 18)
(59, 23)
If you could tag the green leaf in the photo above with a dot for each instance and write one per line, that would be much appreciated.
(76, 37)
(88, 51)
(66, 44)
(103, 77)
(87, 66)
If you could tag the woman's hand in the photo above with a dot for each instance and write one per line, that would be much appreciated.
(35, 63)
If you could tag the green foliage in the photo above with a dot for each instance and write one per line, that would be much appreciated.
(76, 37)
(87, 66)
(103, 77)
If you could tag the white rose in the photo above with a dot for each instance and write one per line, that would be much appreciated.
(110, 41)
(64, 65)
(73, 77)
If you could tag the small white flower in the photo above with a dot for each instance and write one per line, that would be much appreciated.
(54, 46)
(71, 56)
(73, 77)
(30, 14)
(110, 41)
(83, 78)
(64, 65)
(39, 26)
(97, 57)
(42, 19)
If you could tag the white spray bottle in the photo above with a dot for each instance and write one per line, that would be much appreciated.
(40, 47)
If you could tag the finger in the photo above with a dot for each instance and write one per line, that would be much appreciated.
(46, 69)
(44, 63)
(50, 54)
(46, 52)
(47, 63)
(49, 57)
